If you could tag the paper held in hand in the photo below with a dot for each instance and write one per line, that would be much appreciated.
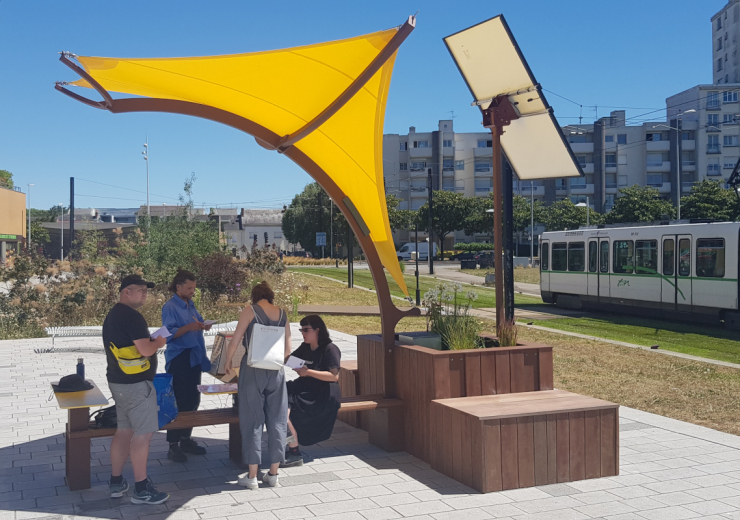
(294, 363)
(162, 331)
(210, 322)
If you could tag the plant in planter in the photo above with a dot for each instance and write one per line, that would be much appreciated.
(448, 315)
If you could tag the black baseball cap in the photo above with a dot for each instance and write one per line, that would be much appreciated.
(134, 279)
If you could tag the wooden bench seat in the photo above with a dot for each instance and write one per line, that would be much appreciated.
(509, 441)
(78, 436)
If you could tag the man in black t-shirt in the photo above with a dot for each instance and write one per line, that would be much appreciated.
(132, 362)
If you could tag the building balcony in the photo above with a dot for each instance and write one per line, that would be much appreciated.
(610, 147)
(686, 186)
(657, 146)
(582, 147)
(588, 167)
(420, 152)
(527, 190)
(714, 106)
(610, 168)
(688, 166)
(688, 145)
(482, 192)
(611, 188)
(663, 167)
(581, 189)
(483, 152)
(713, 128)
(483, 172)
(714, 148)
(665, 188)
(417, 172)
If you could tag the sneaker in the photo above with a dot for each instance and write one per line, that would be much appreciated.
(117, 490)
(292, 460)
(270, 480)
(175, 454)
(190, 446)
(149, 496)
(249, 483)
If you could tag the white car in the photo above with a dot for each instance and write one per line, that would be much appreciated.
(405, 252)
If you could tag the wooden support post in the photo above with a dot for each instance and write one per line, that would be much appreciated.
(77, 451)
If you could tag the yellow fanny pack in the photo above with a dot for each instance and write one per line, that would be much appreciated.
(130, 360)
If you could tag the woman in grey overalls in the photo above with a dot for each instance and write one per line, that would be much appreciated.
(263, 398)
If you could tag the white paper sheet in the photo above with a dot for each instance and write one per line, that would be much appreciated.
(210, 322)
(294, 362)
(161, 331)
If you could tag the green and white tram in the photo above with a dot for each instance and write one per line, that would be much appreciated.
(672, 271)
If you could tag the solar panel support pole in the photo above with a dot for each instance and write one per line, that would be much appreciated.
(500, 113)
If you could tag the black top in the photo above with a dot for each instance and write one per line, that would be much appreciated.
(122, 327)
(322, 359)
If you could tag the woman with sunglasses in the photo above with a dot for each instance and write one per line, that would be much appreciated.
(314, 398)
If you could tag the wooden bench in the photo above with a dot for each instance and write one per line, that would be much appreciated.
(499, 442)
(80, 430)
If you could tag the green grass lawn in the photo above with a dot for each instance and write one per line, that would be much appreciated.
(688, 338)
(363, 278)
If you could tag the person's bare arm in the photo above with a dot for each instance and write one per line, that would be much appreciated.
(148, 347)
(331, 376)
(288, 344)
(245, 319)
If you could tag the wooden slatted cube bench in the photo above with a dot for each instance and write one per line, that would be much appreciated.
(508, 441)
(349, 384)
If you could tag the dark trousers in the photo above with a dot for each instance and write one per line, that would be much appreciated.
(185, 381)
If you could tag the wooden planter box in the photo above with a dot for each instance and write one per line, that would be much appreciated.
(419, 375)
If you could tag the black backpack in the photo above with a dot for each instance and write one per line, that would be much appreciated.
(105, 417)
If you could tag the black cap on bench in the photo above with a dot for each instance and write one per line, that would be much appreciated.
(134, 279)
(71, 383)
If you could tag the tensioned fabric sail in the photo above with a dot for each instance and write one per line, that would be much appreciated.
(283, 90)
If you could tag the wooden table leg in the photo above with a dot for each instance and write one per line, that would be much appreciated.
(77, 450)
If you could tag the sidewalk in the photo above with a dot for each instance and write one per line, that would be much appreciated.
(669, 469)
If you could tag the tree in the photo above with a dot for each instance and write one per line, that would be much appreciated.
(479, 221)
(400, 218)
(563, 215)
(6, 179)
(639, 204)
(708, 199)
(39, 235)
(449, 214)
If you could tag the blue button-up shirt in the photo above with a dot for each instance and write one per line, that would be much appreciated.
(177, 313)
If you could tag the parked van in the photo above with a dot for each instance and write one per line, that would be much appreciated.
(405, 252)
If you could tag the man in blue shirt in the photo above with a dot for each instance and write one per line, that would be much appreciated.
(186, 359)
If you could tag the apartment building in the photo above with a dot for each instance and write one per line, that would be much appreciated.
(725, 35)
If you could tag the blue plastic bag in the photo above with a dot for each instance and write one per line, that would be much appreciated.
(166, 403)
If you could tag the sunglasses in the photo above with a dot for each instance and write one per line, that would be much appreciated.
(305, 330)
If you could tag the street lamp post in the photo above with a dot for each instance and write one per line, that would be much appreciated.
(145, 153)
(531, 224)
(28, 231)
(61, 256)
(679, 186)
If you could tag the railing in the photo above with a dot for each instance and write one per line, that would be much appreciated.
(611, 184)
(688, 163)
(713, 128)
(610, 165)
(713, 105)
(713, 148)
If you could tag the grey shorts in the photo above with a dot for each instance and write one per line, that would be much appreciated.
(136, 406)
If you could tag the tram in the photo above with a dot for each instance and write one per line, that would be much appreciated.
(675, 271)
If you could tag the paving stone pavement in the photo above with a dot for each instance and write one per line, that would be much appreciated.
(668, 469)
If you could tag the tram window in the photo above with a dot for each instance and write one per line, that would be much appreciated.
(604, 257)
(544, 256)
(560, 256)
(710, 257)
(576, 256)
(593, 257)
(624, 252)
(646, 256)
(684, 257)
(669, 256)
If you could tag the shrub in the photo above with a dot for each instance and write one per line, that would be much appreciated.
(264, 261)
(220, 274)
(473, 246)
(507, 333)
(447, 315)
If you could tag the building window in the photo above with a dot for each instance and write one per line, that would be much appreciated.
(653, 136)
(416, 166)
(581, 160)
(623, 256)
(611, 160)
(729, 96)
(421, 144)
(710, 257)
(687, 135)
(687, 158)
(404, 146)
(448, 164)
(719, 44)
(713, 122)
(483, 167)
(483, 185)
(729, 140)
(447, 143)
(713, 96)
(459, 165)
(560, 184)
(622, 180)
(403, 166)
(713, 168)
(608, 138)
(719, 23)
(729, 163)
(277, 234)
(654, 180)
(729, 119)
(712, 144)
(609, 201)
(621, 138)
(719, 64)
(655, 159)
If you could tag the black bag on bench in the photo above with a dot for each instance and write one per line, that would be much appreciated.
(105, 418)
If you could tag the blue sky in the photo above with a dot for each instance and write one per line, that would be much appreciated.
(630, 54)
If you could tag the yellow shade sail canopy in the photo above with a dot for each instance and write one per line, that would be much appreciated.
(283, 91)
